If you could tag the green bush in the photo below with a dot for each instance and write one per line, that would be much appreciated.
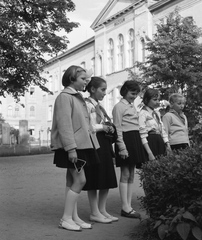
(173, 194)
(196, 133)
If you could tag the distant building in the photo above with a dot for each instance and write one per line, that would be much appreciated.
(121, 30)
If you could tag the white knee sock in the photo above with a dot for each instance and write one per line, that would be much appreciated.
(130, 194)
(70, 202)
(123, 190)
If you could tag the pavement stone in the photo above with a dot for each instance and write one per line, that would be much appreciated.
(32, 198)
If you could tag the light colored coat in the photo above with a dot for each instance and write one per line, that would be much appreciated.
(176, 129)
(71, 128)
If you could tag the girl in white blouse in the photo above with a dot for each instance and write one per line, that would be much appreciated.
(100, 177)
(152, 131)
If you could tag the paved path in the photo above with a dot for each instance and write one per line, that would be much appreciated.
(32, 199)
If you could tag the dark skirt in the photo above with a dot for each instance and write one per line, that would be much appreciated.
(179, 146)
(156, 144)
(101, 176)
(61, 159)
(135, 150)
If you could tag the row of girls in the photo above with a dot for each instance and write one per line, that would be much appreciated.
(78, 138)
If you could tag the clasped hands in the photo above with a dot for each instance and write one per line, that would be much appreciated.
(108, 128)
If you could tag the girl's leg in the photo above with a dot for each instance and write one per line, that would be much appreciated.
(130, 186)
(133, 213)
(102, 200)
(123, 188)
(79, 221)
(102, 204)
(75, 217)
(92, 196)
(96, 215)
(130, 194)
(78, 181)
(69, 181)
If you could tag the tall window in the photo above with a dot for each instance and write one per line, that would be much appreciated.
(10, 111)
(93, 65)
(120, 52)
(99, 66)
(50, 112)
(17, 111)
(32, 89)
(143, 49)
(131, 47)
(51, 83)
(32, 111)
(110, 56)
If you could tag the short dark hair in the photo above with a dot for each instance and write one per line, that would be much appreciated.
(129, 85)
(71, 75)
(95, 82)
(149, 94)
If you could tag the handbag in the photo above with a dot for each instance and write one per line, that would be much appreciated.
(112, 135)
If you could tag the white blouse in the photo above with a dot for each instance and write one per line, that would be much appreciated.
(93, 115)
(148, 122)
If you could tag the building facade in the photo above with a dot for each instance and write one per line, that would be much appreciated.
(121, 31)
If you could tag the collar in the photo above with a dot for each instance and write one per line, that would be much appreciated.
(149, 109)
(70, 90)
(95, 103)
(173, 111)
(124, 101)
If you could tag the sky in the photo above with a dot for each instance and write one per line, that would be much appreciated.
(85, 13)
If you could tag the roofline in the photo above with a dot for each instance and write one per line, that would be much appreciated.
(115, 15)
(159, 4)
(109, 3)
(80, 45)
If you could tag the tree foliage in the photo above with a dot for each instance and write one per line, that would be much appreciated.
(175, 60)
(29, 30)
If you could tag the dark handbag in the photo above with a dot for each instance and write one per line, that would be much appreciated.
(112, 136)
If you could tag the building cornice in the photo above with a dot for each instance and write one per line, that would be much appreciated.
(159, 4)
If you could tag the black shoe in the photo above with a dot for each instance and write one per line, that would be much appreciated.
(131, 214)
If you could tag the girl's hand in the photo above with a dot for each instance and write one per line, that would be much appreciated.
(111, 129)
(106, 128)
(151, 156)
(168, 148)
(124, 154)
(72, 154)
(149, 152)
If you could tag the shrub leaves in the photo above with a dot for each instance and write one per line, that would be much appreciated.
(183, 229)
(196, 231)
